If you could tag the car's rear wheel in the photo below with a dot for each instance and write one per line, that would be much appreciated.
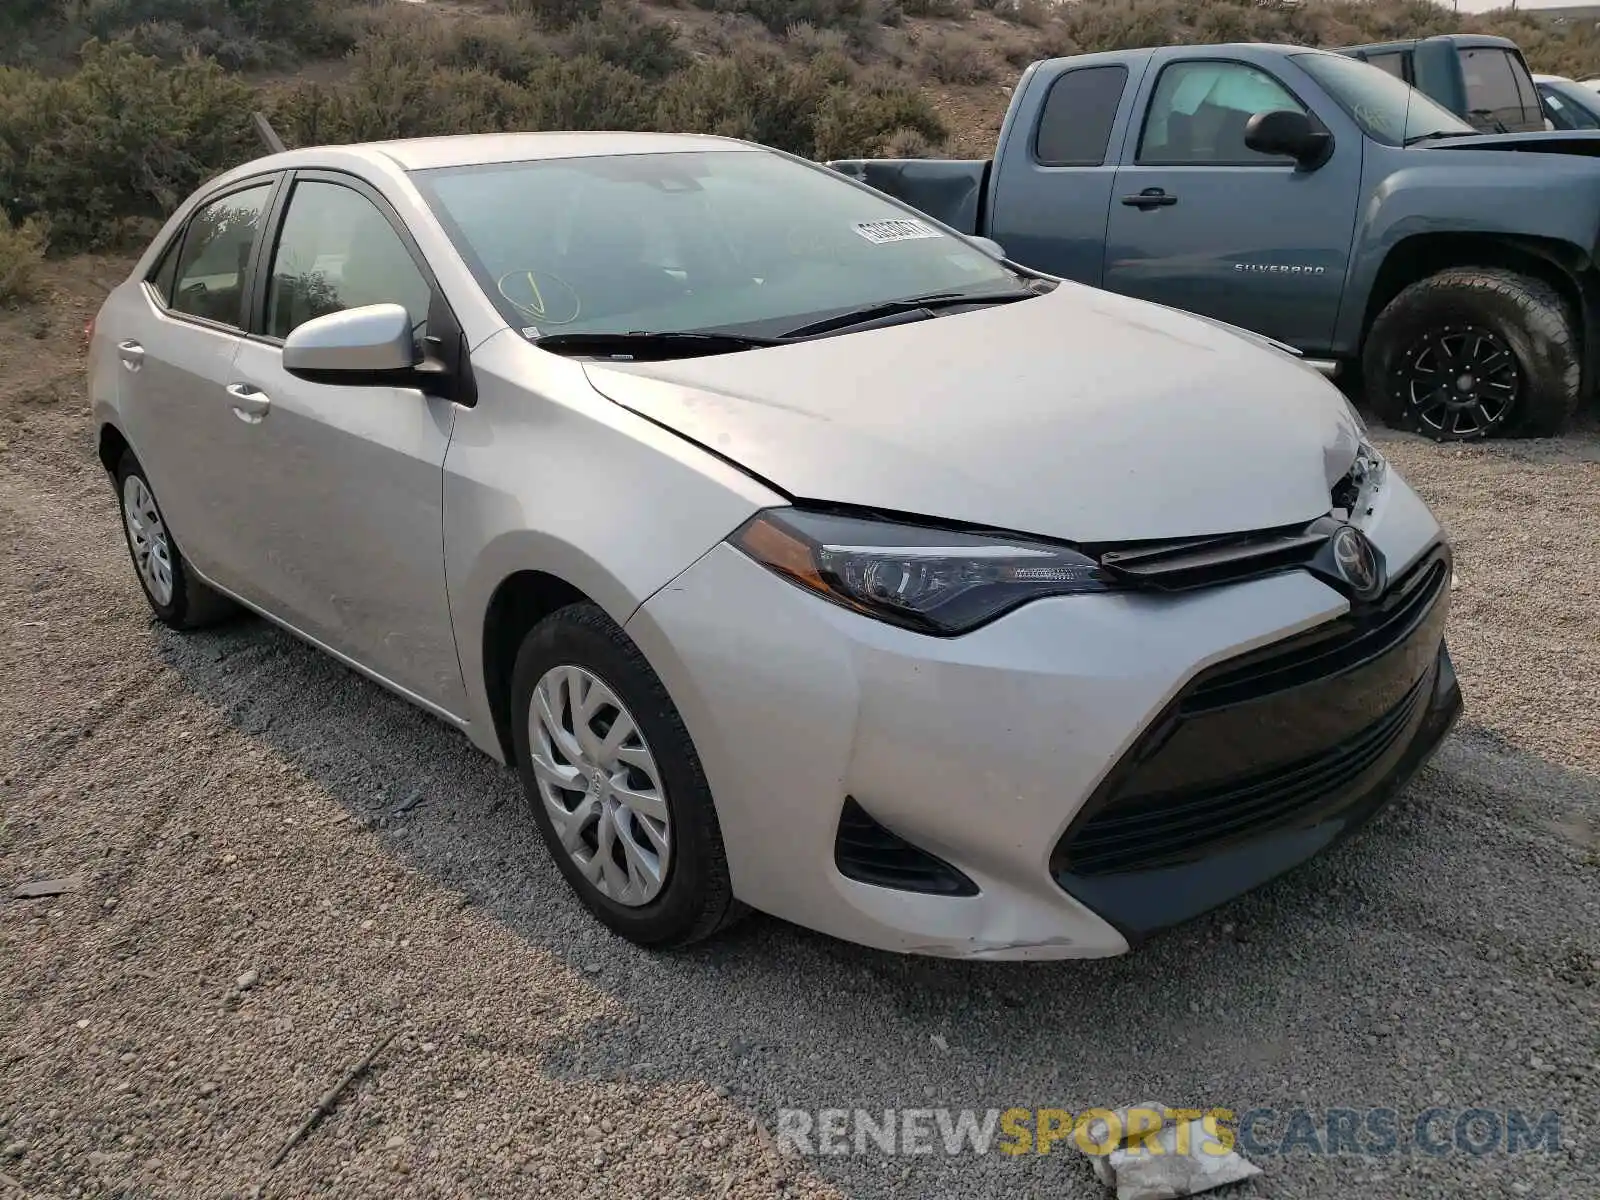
(176, 597)
(1475, 352)
(614, 783)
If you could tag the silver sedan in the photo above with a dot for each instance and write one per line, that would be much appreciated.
(800, 553)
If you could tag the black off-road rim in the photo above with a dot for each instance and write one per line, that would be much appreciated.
(1459, 382)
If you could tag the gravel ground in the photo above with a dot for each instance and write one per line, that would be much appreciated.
(282, 864)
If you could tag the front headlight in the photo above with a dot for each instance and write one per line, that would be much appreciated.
(935, 581)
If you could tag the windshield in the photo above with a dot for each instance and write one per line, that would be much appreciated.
(1388, 110)
(699, 240)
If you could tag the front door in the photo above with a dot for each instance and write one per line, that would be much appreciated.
(342, 513)
(1201, 222)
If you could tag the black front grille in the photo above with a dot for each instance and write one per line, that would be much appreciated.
(1157, 830)
(1274, 738)
(865, 851)
(1357, 637)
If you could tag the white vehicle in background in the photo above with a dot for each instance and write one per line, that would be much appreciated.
(1568, 104)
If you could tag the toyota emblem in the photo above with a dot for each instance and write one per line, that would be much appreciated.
(1357, 562)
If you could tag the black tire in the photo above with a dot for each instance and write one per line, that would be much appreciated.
(1521, 314)
(192, 604)
(696, 899)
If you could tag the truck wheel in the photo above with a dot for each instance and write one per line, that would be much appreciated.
(1475, 352)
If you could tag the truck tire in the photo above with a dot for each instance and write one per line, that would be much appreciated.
(1475, 352)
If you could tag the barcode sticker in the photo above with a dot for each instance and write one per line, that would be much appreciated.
(898, 230)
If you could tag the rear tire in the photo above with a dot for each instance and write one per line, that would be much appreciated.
(1475, 352)
(638, 837)
(177, 598)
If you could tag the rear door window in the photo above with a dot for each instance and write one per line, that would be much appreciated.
(1075, 127)
(215, 258)
(1394, 62)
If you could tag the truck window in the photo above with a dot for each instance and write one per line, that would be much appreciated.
(1199, 112)
(1495, 92)
(1393, 62)
(1075, 127)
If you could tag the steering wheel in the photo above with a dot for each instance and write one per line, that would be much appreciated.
(543, 298)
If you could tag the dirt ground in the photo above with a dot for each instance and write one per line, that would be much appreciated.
(281, 865)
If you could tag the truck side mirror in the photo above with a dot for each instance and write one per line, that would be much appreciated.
(1288, 134)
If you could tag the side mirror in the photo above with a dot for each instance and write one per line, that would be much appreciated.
(990, 246)
(373, 344)
(1288, 134)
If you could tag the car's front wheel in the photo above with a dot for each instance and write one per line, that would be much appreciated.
(176, 597)
(1475, 352)
(614, 782)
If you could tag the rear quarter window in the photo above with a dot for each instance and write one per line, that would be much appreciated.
(1075, 126)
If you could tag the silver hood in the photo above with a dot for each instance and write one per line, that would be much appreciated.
(1079, 415)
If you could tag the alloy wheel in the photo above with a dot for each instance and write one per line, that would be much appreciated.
(600, 785)
(1460, 382)
(147, 536)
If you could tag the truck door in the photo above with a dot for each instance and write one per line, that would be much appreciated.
(1056, 168)
(1200, 222)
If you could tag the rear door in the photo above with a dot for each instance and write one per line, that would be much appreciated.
(177, 336)
(1055, 176)
(1201, 222)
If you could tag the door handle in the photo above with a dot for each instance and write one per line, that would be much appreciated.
(132, 355)
(250, 404)
(1152, 197)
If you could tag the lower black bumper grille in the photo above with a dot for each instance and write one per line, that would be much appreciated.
(1157, 830)
(865, 851)
(1265, 755)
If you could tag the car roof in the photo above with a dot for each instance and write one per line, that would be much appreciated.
(482, 149)
(476, 149)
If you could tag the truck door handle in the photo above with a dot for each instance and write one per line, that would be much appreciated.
(132, 355)
(1152, 197)
(250, 404)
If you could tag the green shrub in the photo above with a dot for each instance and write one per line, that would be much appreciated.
(169, 42)
(123, 138)
(625, 36)
(954, 58)
(21, 256)
(857, 18)
(556, 14)
(949, 9)
(908, 143)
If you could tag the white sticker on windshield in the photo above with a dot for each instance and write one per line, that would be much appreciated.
(898, 230)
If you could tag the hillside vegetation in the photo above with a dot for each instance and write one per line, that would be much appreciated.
(112, 110)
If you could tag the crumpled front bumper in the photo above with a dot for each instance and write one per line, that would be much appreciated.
(982, 750)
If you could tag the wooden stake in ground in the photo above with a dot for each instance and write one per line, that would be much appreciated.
(331, 1097)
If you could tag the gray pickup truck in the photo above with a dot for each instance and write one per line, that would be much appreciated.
(1314, 199)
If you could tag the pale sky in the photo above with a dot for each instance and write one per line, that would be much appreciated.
(1479, 6)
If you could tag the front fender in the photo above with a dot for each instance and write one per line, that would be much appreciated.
(1549, 199)
(545, 474)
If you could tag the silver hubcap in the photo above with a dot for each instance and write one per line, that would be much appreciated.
(152, 553)
(599, 785)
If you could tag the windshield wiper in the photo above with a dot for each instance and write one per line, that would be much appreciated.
(643, 344)
(1442, 133)
(895, 308)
